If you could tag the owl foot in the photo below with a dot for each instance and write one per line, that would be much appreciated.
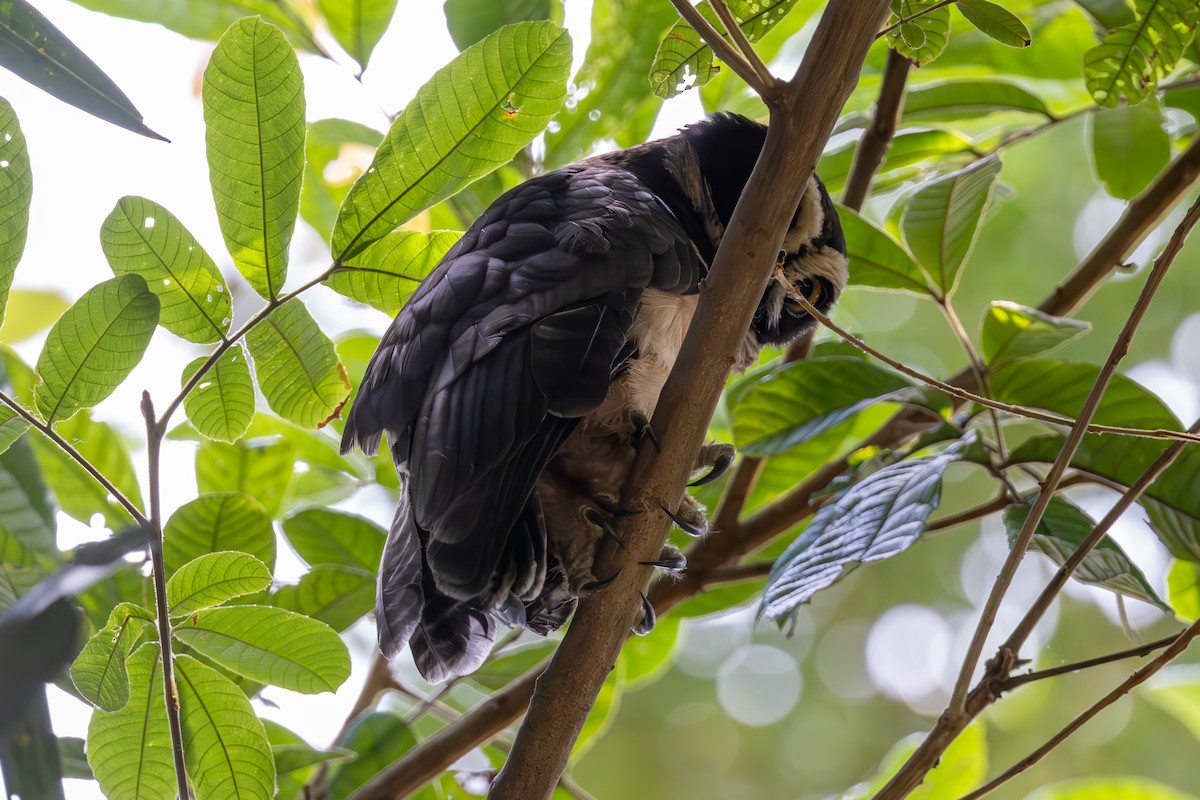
(594, 517)
(670, 561)
(690, 516)
(717, 457)
(648, 618)
(641, 430)
(595, 586)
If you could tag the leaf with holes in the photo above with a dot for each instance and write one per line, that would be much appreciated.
(216, 522)
(213, 578)
(130, 750)
(323, 536)
(943, 216)
(876, 518)
(878, 260)
(1130, 146)
(254, 127)
(16, 190)
(1128, 64)
(996, 22)
(222, 404)
(1011, 332)
(94, 346)
(684, 61)
(270, 645)
(473, 115)
(337, 596)
(225, 746)
(357, 26)
(297, 367)
(387, 274)
(1058, 535)
(923, 32)
(797, 402)
(142, 237)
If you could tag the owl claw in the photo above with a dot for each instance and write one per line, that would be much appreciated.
(670, 560)
(687, 526)
(595, 586)
(718, 457)
(641, 428)
(594, 517)
(648, 617)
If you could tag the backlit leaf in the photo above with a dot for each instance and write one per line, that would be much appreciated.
(324, 536)
(98, 672)
(386, 275)
(995, 21)
(878, 260)
(16, 190)
(924, 31)
(261, 468)
(969, 98)
(213, 578)
(1011, 331)
(470, 20)
(222, 404)
(337, 596)
(1130, 147)
(30, 311)
(78, 493)
(357, 26)
(336, 152)
(215, 522)
(1131, 59)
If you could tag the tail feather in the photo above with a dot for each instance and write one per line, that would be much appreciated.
(400, 595)
(455, 644)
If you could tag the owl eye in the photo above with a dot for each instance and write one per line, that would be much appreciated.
(815, 294)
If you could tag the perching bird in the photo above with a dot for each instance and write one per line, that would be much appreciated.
(515, 379)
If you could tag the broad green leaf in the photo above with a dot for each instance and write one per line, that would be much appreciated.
(357, 26)
(996, 22)
(799, 401)
(1110, 787)
(130, 750)
(470, 20)
(923, 34)
(12, 427)
(910, 151)
(1128, 64)
(260, 468)
(98, 672)
(324, 536)
(473, 115)
(608, 94)
(74, 762)
(1062, 387)
(254, 121)
(94, 346)
(876, 518)
(270, 645)
(297, 367)
(295, 759)
(1183, 592)
(943, 216)
(1011, 332)
(878, 260)
(684, 61)
(1060, 532)
(337, 596)
(336, 152)
(960, 99)
(35, 50)
(25, 516)
(213, 578)
(962, 768)
(387, 274)
(378, 738)
(222, 404)
(16, 190)
(502, 669)
(208, 19)
(647, 658)
(78, 493)
(216, 522)
(30, 311)
(1108, 13)
(1130, 147)
(142, 237)
(225, 747)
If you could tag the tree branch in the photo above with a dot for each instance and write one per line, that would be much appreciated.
(766, 80)
(878, 136)
(725, 51)
(1146, 649)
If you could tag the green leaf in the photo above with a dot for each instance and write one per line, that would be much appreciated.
(1062, 387)
(995, 21)
(909, 153)
(98, 672)
(225, 746)
(77, 492)
(793, 404)
(254, 118)
(960, 99)
(501, 670)
(16, 190)
(297, 367)
(473, 115)
(378, 738)
(876, 518)
(323, 536)
(94, 346)
(332, 142)
(261, 468)
(216, 522)
(1060, 532)
(923, 38)
(357, 26)
(35, 50)
(684, 61)
(222, 403)
(878, 260)
(470, 20)
(130, 750)
(270, 645)
(608, 98)
(963, 767)
(943, 217)
(30, 311)
(1128, 64)
(1183, 591)
(142, 237)
(647, 658)
(74, 762)
(213, 578)
(337, 596)
(1011, 332)
(1108, 13)
(25, 516)
(385, 275)
(12, 427)
(1130, 147)
(1110, 787)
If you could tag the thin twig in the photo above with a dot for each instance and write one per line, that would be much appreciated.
(878, 135)
(723, 49)
(1180, 643)
(742, 43)
(970, 515)
(1014, 681)
(159, 578)
(917, 15)
(741, 572)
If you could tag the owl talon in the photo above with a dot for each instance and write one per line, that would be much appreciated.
(670, 560)
(594, 517)
(687, 526)
(718, 457)
(595, 586)
(641, 428)
(648, 617)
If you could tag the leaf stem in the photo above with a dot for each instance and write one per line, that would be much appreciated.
(1140, 650)
(159, 577)
(905, 20)
(742, 42)
(724, 50)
